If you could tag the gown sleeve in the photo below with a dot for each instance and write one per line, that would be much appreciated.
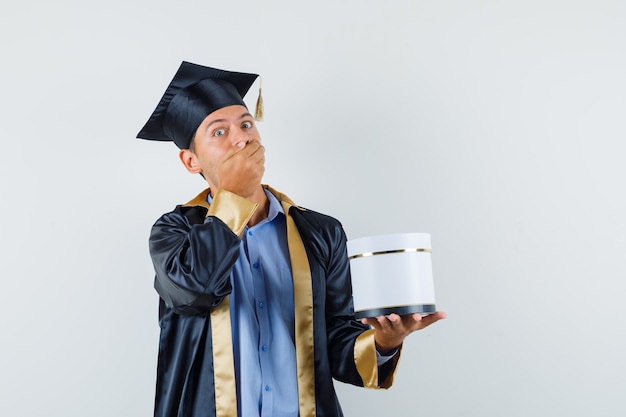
(193, 252)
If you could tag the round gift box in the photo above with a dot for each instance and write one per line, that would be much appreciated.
(392, 274)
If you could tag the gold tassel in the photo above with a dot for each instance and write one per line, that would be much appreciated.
(258, 114)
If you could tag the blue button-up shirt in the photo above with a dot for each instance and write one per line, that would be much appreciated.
(262, 316)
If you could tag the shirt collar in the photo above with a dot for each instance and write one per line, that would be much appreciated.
(275, 207)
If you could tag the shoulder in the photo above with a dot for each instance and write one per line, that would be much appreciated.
(314, 218)
(316, 226)
(306, 219)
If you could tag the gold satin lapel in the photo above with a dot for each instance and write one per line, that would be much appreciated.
(223, 361)
(303, 299)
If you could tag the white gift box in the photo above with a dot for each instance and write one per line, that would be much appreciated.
(392, 274)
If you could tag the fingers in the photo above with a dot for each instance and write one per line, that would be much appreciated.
(409, 323)
(257, 151)
(389, 322)
(241, 168)
(432, 318)
(384, 323)
(249, 156)
(245, 149)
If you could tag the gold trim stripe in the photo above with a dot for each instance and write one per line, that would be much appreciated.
(303, 298)
(386, 252)
(223, 361)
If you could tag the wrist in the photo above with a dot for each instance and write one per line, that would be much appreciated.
(383, 351)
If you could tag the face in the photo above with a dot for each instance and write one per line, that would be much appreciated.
(218, 132)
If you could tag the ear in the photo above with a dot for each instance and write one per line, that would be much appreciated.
(190, 161)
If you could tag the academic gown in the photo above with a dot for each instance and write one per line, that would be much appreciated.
(193, 249)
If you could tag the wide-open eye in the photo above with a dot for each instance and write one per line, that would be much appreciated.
(219, 132)
(246, 125)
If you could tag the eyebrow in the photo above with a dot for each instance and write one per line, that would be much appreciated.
(243, 116)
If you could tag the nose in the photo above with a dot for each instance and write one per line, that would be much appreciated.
(241, 135)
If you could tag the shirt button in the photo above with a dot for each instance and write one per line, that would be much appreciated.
(255, 265)
(264, 348)
(267, 388)
(250, 233)
(261, 304)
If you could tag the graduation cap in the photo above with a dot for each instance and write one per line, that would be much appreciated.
(195, 92)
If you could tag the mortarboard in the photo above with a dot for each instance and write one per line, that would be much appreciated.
(195, 92)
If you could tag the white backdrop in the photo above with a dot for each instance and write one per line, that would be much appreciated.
(497, 126)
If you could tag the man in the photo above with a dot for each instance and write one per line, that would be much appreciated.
(256, 310)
